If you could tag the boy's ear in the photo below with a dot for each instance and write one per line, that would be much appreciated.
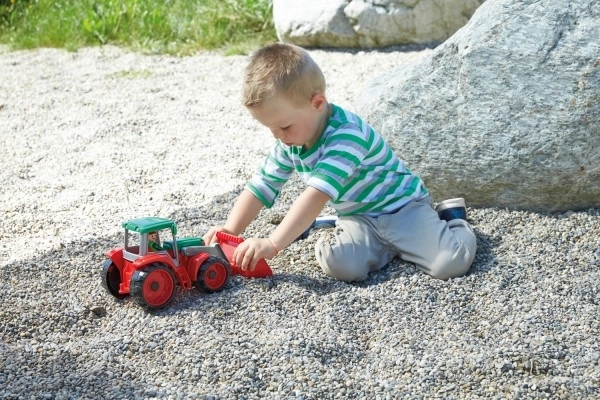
(318, 101)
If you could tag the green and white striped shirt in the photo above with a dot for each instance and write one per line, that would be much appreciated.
(350, 162)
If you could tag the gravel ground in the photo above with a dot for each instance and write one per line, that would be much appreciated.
(92, 138)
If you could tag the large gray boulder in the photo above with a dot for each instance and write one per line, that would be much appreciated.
(506, 112)
(369, 23)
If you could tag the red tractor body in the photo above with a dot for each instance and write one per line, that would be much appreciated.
(149, 270)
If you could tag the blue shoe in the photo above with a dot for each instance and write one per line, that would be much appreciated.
(452, 209)
(319, 223)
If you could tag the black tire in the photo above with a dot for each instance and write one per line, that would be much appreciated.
(111, 279)
(213, 275)
(153, 286)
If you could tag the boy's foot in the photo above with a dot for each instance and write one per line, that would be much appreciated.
(319, 223)
(452, 209)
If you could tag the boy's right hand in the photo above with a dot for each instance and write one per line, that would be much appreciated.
(211, 236)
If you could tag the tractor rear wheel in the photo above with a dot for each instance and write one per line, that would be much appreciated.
(153, 286)
(111, 278)
(212, 275)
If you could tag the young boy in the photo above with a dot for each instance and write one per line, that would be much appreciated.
(384, 210)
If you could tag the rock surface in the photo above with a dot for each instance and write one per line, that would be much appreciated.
(506, 112)
(369, 23)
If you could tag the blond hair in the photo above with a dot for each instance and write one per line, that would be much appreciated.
(284, 70)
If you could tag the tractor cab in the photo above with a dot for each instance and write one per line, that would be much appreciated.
(143, 236)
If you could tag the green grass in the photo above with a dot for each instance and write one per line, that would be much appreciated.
(178, 27)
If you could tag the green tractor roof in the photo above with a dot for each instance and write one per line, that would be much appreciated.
(150, 224)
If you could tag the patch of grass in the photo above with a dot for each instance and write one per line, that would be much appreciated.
(178, 27)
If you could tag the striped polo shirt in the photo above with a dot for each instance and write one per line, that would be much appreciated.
(350, 162)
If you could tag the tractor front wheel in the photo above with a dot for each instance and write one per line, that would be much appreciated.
(212, 275)
(111, 278)
(153, 286)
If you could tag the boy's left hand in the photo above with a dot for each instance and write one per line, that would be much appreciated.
(250, 251)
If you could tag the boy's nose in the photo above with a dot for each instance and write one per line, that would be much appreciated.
(278, 133)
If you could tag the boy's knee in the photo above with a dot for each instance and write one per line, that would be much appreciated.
(457, 260)
(451, 265)
(335, 263)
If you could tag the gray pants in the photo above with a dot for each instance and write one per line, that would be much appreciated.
(415, 233)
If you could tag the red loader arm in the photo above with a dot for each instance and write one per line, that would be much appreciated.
(228, 243)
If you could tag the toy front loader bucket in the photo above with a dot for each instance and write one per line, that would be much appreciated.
(228, 244)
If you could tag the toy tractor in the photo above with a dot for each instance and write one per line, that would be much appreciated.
(149, 270)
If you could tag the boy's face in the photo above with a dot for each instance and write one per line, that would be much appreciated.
(293, 125)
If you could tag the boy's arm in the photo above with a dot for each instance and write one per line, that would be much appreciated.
(245, 209)
(300, 216)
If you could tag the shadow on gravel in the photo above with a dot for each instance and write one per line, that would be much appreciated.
(52, 308)
(485, 258)
(57, 372)
(75, 339)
